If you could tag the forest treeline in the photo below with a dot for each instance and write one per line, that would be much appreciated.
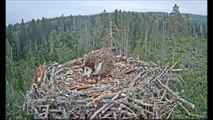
(154, 36)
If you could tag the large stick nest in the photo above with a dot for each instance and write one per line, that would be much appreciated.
(133, 89)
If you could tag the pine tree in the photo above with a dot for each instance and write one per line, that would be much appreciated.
(23, 40)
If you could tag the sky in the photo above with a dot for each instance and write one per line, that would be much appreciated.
(16, 10)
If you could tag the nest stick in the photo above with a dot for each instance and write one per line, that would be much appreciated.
(171, 111)
(141, 102)
(122, 105)
(189, 112)
(103, 107)
(174, 94)
(159, 75)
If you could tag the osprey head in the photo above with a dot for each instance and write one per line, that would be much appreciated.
(87, 72)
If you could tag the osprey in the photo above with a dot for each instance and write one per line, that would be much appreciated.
(99, 62)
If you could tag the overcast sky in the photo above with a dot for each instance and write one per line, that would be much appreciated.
(18, 9)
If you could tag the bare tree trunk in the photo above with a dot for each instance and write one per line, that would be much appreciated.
(173, 55)
(74, 28)
(163, 56)
(127, 38)
(51, 46)
(155, 36)
(87, 38)
(145, 39)
(126, 43)
(74, 25)
(111, 37)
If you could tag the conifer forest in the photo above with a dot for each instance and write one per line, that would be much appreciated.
(153, 36)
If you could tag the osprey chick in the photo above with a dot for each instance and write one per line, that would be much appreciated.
(99, 62)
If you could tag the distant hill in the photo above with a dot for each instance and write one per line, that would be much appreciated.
(197, 18)
(194, 17)
(200, 19)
